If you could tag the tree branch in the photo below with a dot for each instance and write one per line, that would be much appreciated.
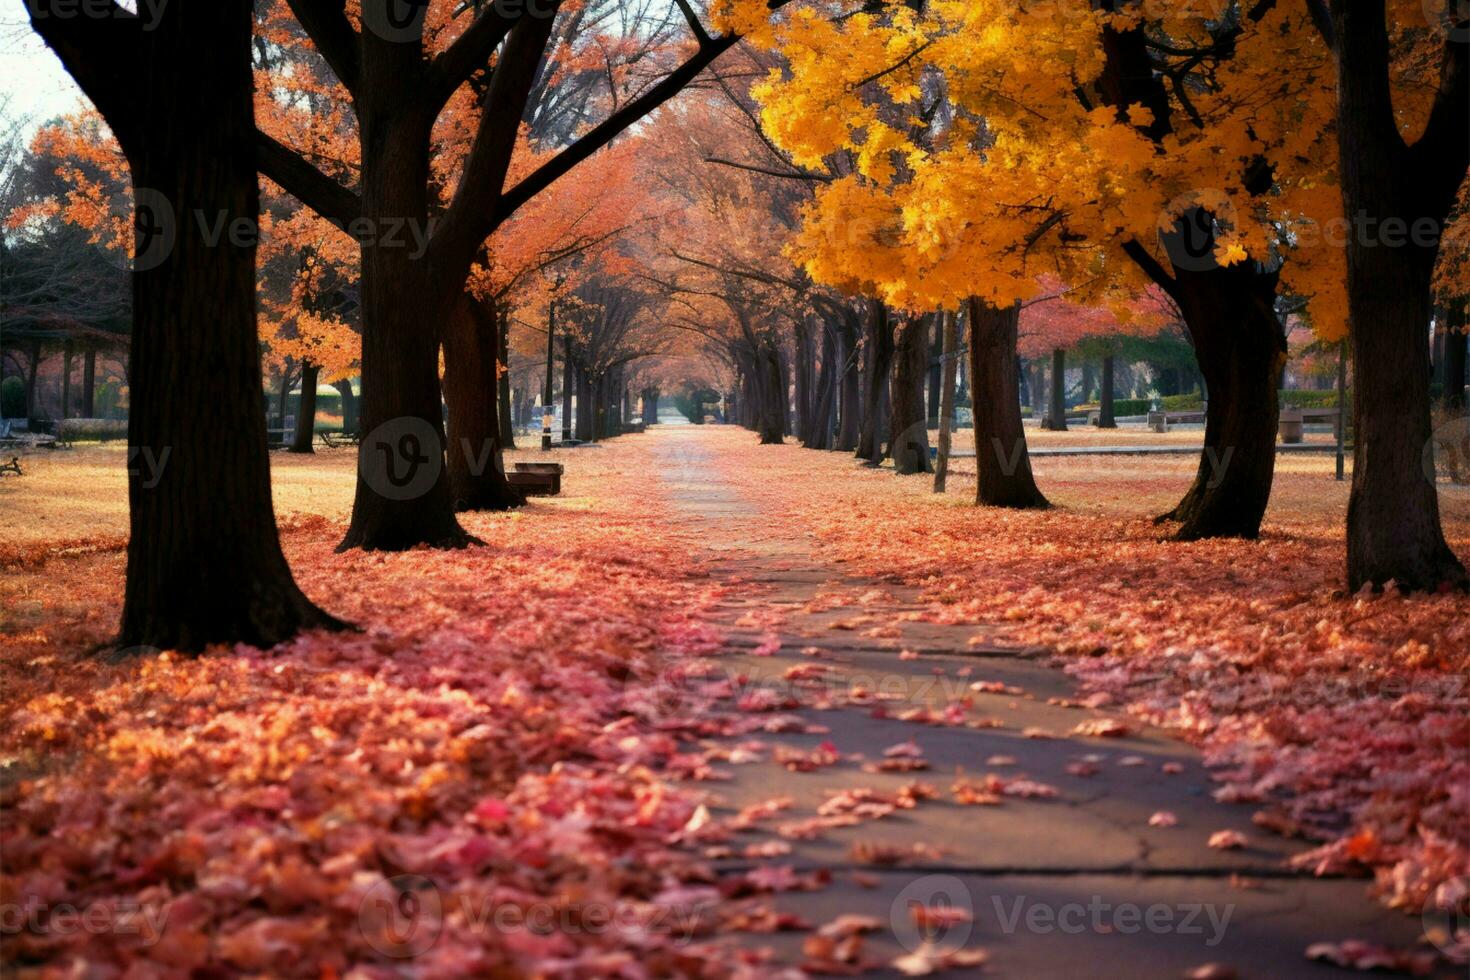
(468, 220)
(768, 173)
(1150, 265)
(1442, 153)
(472, 49)
(304, 182)
(325, 21)
(100, 50)
(604, 133)
(693, 21)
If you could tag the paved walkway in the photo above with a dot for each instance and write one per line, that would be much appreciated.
(1079, 883)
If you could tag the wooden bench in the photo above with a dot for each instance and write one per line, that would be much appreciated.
(537, 479)
(12, 467)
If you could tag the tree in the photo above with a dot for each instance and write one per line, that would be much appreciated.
(204, 559)
(399, 79)
(1399, 195)
(1065, 138)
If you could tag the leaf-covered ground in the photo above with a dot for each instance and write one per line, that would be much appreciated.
(485, 743)
(1347, 717)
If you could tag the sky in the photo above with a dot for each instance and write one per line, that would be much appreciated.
(31, 78)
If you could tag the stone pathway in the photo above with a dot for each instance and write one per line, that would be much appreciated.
(1079, 883)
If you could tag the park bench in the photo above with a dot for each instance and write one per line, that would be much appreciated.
(1160, 421)
(1290, 424)
(50, 435)
(537, 479)
(12, 467)
(336, 440)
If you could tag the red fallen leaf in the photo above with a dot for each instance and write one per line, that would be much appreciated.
(847, 925)
(764, 919)
(865, 880)
(1082, 769)
(1277, 821)
(764, 810)
(1227, 840)
(1163, 818)
(1102, 728)
(1355, 954)
(893, 854)
(928, 959)
(897, 765)
(1212, 971)
(928, 917)
(909, 749)
(834, 955)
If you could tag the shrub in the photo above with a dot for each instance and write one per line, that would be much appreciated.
(1130, 406)
(94, 430)
(1309, 398)
(1182, 403)
(12, 398)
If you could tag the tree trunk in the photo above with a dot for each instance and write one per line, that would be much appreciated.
(1105, 418)
(585, 408)
(949, 342)
(568, 384)
(1056, 413)
(818, 434)
(403, 496)
(204, 559)
(772, 420)
(908, 440)
(1003, 467)
(804, 357)
(283, 396)
(33, 371)
(66, 381)
(849, 409)
(936, 371)
(349, 404)
(476, 462)
(880, 360)
(1394, 528)
(306, 410)
(502, 381)
(1240, 344)
(89, 385)
(1454, 355)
